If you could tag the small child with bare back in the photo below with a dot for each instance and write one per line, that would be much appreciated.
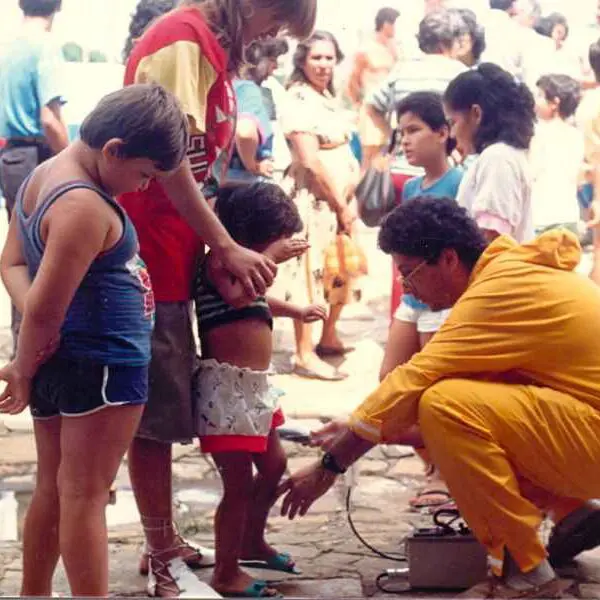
(237, 409)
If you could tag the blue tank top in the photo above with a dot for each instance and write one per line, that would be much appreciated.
(111, 316)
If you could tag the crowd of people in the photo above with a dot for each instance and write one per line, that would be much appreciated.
(206, 187)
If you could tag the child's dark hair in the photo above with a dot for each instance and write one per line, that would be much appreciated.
(429, 108)
(146, 118)
(563, 88)
(257, 214)
(508, 107)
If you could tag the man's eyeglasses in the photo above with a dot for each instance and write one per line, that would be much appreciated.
(407, 279)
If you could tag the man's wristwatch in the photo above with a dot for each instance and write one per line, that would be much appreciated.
(329, 463)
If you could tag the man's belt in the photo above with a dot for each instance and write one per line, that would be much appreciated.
(23, 142)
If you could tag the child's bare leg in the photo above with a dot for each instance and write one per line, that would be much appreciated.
(40, 535)
(235, 469)
(92, 447)
(271, 466)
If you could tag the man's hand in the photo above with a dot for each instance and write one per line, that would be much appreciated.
(256, 272)
(286, 248)
(313, 313)
(15, 397)
(303, 488)
(326, 436)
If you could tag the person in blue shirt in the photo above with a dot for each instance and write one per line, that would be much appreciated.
(30, 104)
(252, 158)
(30, 97)
(426, 143)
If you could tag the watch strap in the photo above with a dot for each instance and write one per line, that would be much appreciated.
(329, 463)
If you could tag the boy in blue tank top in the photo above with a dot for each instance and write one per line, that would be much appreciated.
(426, 143)
(71, 267)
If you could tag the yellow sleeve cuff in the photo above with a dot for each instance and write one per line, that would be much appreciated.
(364, 427)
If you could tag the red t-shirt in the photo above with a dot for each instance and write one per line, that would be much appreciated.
(181, 53)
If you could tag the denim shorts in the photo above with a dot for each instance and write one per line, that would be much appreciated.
(73, 388)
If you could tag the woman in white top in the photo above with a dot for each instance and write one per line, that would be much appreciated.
(492, 115)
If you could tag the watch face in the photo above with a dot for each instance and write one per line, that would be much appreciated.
(331, 464)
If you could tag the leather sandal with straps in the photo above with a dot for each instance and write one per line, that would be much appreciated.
(173, 579)
(196, 557)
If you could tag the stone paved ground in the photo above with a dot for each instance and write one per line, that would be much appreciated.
(334, 562)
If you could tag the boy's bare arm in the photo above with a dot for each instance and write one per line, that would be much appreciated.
(76, 234)
(13, 268)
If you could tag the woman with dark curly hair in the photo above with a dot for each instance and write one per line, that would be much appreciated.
(493, 116)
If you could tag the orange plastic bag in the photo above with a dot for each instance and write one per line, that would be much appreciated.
(345, 260)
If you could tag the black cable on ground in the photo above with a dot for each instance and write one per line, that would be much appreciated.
(396, 590)
(398, 557)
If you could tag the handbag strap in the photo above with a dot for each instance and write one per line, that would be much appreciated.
(393, 142)
(341, 253)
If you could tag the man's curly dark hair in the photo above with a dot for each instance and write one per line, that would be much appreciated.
(425, 226)
(257, 214)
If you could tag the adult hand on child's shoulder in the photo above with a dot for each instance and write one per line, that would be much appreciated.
(256, 272)
(313, 313)
(15, 396)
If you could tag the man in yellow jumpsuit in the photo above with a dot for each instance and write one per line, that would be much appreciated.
(506, 394)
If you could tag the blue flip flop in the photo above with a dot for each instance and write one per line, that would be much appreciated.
(280, 562)
(256, 589)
